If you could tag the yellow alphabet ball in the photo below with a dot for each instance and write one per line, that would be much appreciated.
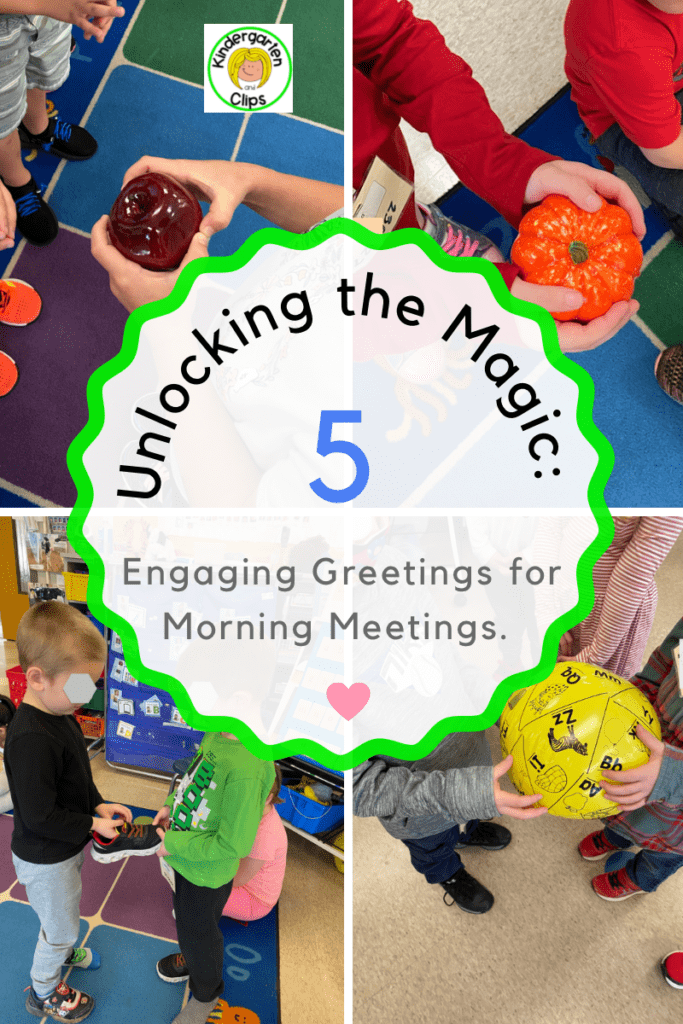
(565, 731)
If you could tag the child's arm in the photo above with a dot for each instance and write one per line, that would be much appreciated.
(248, 869)
(75, 12)
(661, 778)
(240, 814)
(459, 794)
(659, 665)
(35, 768)
(295, 204)
(670, 156)
(629, 583)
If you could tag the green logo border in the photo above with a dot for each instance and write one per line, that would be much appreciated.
(84, 501)
(250, 110)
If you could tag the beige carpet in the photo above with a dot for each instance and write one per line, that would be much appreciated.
(548, 952)
(516, 51)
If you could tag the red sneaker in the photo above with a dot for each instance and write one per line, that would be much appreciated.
(20, 304)
(615, 886)
(672, 969)
(9, 374)
(596, 846)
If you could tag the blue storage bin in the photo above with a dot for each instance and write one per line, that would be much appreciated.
(308, 815)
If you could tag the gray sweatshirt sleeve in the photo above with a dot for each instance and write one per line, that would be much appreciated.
(397, 793)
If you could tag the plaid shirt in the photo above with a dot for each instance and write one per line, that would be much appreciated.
(659, 824)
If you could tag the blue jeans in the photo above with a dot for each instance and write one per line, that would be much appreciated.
(664, 185)
(434, 856)
(649, 868)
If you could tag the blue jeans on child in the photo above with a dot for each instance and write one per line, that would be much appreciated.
(54, 892)
(664, 185)
(649, 868)
(434, 856)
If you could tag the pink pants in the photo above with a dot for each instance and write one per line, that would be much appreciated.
(242, 906)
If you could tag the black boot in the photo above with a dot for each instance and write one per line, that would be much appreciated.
(467, 892)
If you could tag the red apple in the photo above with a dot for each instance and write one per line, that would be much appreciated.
(153, 221)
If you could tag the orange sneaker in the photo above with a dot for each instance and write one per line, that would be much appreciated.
(9, 374)
(20, 304)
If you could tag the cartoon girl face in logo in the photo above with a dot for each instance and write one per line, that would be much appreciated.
(249, 68)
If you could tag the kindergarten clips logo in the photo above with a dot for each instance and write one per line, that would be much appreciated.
(248, 68)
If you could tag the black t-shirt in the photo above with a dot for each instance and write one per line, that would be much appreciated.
(52, 787)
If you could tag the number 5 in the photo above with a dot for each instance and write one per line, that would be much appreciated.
(328, 417)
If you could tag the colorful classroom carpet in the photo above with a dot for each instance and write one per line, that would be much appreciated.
(642, 424)
(139, 93)
(126, 916)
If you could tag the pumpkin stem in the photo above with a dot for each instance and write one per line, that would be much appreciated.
(578, 252)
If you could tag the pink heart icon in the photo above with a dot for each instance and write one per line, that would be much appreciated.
(348, 700)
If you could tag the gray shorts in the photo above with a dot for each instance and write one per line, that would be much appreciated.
(34, 54)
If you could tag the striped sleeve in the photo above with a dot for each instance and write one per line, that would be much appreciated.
(629, 582)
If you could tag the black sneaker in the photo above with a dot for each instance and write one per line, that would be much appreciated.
(173, 968)
(65, 141)
(488, 835)
(468, 893)
(35, 219)
(131, 841)
(66, 1004)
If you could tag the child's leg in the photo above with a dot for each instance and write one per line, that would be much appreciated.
(434, 856)
(664, 185)
(616, 838)
(13, 171)
(242, 906)
(35, 117)
(49, 57)
(198, 910)
(14, 56)
(650, 868)
(54, 892)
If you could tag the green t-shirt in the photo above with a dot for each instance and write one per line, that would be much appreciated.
(216, 811)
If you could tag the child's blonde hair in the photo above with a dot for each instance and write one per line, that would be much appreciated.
(238, 58)
(56, 637)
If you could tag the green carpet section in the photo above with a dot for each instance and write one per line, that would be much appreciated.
(659, 290)
(318, 60)
(155, 42)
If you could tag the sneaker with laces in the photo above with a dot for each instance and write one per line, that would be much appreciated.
(672, 968)
(615, 886)
(596, 846)
(489, 835)
(35, 220)
(65, 1004)
(65, 141)
(131, 841)
(455, 239)
(20, 304)
(467, 892)
(172, 968)
(669, 372)
(85, 958)
(9, 374)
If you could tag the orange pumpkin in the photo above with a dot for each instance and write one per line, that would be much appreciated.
(595, 253)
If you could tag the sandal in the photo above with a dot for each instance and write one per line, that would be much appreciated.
(669, 372)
